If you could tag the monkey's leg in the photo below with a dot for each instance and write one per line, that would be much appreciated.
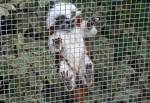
(86, 71)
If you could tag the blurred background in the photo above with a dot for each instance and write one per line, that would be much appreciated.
(121, 52)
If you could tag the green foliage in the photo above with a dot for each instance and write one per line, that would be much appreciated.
(4, 9)
(121, 51)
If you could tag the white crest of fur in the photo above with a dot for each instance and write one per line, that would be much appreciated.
(60, 9)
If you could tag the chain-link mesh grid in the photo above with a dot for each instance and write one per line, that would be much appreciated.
(119, 52)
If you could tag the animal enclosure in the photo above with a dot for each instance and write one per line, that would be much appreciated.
(118, 55)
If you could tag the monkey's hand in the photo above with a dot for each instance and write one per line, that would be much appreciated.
(92, 22)
(67, 75)
(55, 44)
(88, 27)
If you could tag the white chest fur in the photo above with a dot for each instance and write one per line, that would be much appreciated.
(73, 47)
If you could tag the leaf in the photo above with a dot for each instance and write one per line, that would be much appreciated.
(22, 63)
(2, 1)
(19, 41)
(15, 2)
(127, 95)
(8, 6)
(28, 6)
(3, 11)
(5, 7)
(42, 3)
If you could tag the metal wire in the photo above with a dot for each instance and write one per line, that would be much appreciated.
(44, 60)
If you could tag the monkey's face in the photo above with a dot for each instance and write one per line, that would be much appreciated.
(64, 23)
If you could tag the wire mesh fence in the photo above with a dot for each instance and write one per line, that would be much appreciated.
(74, 51)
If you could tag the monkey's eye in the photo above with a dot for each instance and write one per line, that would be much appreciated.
(60, 19)
(73, 21)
